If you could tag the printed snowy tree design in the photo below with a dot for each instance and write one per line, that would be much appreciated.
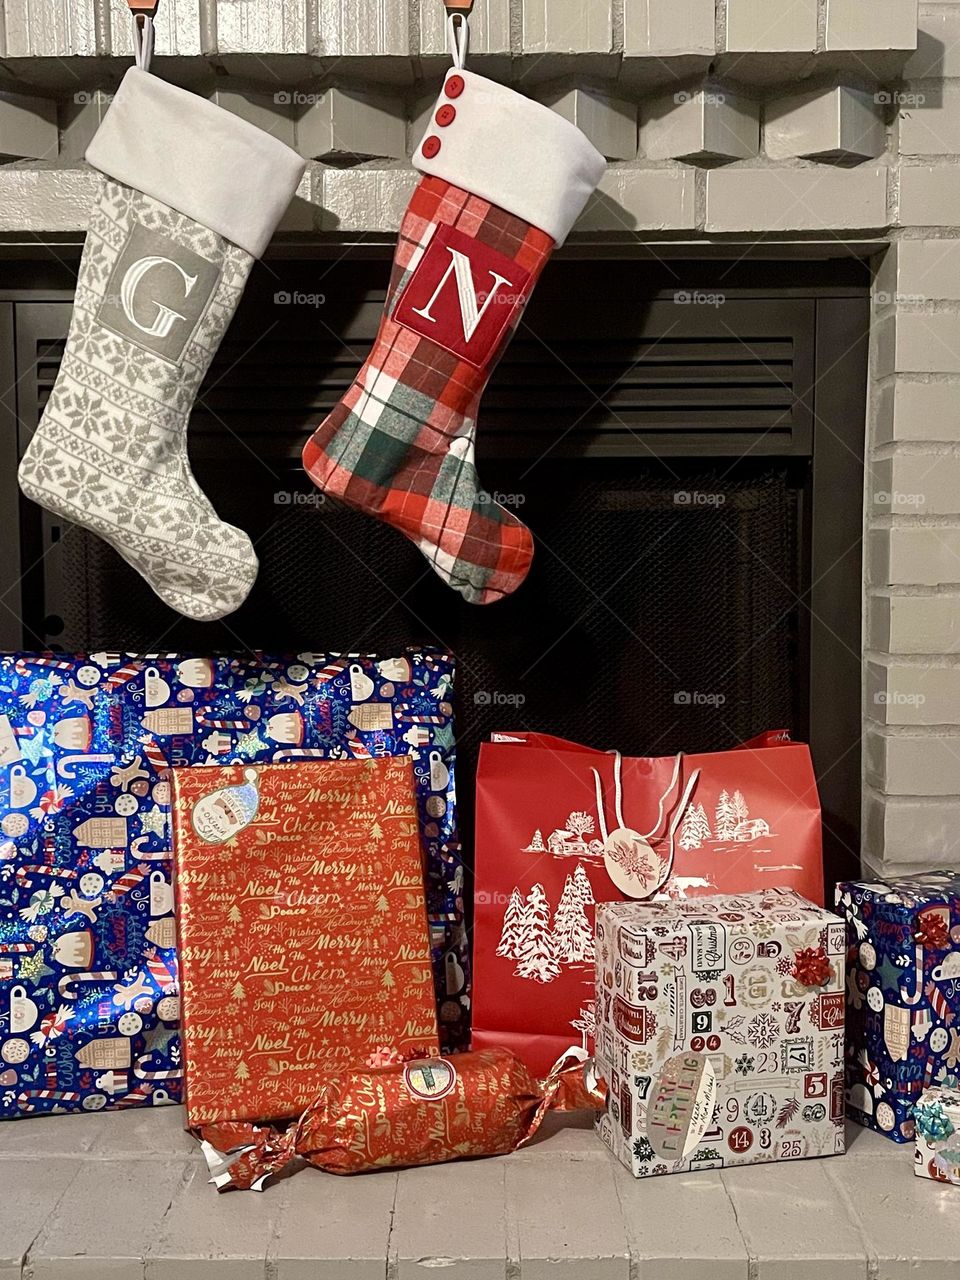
(572, 935)
(695, 828)
(242, 1071)
(536, 844)
(739, 805)
(582, 881)
(235, 915)
(536, 948)
(509, 945)
(239, 991)
(580, 824)
(725, 819)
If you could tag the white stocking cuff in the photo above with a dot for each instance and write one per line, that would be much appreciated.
(514, 152)
(222, 171)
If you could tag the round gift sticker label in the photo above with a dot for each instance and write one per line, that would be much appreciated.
(681, 1105)
(430, 1079)
(632, 865)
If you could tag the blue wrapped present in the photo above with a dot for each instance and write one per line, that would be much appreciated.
(89, 1002)
(903, 995)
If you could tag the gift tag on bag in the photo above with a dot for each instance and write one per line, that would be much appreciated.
(629, 858)
(632, 864)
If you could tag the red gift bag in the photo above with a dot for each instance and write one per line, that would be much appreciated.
(549, 810)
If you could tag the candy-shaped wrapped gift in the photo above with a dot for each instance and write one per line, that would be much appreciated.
(420, 1112)
(89, 981)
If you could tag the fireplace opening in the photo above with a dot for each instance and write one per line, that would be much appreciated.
(685, 441)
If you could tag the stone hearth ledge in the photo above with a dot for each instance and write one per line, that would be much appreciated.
(125, 1195)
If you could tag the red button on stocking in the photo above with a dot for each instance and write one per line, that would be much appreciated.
(454, 87)
(430, 147)
(446, 115)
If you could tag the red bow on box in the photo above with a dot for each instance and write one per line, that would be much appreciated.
(811, 968)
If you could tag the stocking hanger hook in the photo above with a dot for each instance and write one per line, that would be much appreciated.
(144, 12)
(458, 30)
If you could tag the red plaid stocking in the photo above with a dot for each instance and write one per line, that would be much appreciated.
(505, 180)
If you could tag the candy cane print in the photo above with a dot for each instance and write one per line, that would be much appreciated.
(123, 675)
(145, 855)
(358, 749)
(22, 665)
(136, 1096)
(143, 1074)
(938, 1003)
(153, 753)
(299, 753)
(129, 880)
(17, 948)
(42, 869)
(160, 972)
(209, 723)
(918, 993)
(69, 980)
(406, 716)
(67, 766)
(44, 1095)
(328, 672)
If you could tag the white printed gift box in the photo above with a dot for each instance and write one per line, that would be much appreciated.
(720, 1031)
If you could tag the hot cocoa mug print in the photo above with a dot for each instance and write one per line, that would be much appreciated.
(23, 1010)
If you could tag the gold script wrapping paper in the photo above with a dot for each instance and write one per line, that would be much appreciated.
(302, 929)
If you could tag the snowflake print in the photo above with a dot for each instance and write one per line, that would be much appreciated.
(643, 1150)
(776, 1006)
(784, 966)
(642, 1060)
(744, 1064)
(763, 928)
(763, 1031)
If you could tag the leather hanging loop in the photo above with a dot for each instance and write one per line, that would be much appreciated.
(146, 8)
(464, 9)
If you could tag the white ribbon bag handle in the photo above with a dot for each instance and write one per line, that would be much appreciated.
(631, 862)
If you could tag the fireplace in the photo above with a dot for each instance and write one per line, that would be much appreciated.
(685, 442)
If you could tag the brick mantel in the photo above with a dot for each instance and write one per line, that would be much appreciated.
(828, 126)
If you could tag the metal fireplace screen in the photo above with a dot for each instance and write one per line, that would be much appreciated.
(662, 452)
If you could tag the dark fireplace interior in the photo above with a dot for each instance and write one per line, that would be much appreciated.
(684, 440)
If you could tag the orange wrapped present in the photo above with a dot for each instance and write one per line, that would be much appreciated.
(302, 927)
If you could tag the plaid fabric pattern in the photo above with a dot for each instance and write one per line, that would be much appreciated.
(400, 445)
